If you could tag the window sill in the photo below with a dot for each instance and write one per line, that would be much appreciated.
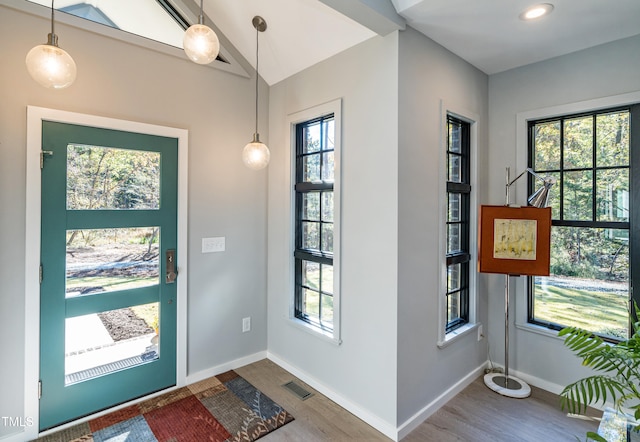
(457, 334)
(537, 329)
(315, 331)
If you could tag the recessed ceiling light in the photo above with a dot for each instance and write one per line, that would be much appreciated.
(536, 11)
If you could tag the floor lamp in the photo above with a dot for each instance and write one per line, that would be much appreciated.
(515, 241)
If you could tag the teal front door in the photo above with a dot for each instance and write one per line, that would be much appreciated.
(108, 254)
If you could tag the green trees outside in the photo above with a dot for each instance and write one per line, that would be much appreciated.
(589, 157)
(109, 178)
(592, 170)
(104, 178)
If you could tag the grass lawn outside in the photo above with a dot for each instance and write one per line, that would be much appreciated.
(147, 312)
(579, 303)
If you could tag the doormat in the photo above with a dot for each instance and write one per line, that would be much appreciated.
(222, 408)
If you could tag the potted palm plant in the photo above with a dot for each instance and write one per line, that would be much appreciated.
(618, 380)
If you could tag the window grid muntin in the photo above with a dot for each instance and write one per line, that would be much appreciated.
(558, 218)
(458, 183)
(319, 254)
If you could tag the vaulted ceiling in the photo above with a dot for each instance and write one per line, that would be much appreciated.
(300, 33)
(486, 33)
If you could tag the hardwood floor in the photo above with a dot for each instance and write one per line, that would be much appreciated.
(477, 414)
(317, 418)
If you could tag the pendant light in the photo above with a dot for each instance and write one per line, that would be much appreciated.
(200, 42)
(50, 65)
(255, 155)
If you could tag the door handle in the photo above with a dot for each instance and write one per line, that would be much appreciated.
(171, 271)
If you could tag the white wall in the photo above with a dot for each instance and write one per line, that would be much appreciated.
(431, 75)
(363, 369)
(124, 81)
(597, 73)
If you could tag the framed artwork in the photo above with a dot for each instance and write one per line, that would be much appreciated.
(514, 240)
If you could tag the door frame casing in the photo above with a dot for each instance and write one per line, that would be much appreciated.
(35, 116)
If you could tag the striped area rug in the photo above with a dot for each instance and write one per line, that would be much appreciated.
(219, 409)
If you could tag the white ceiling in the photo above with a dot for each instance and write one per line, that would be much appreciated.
(299, 33)
(489, 34)
(486, 33)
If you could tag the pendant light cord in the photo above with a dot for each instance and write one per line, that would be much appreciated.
(257, 64)
(52, 28)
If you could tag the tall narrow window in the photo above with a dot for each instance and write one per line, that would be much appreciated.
(314, 222)
(590, 155)
(458, 221)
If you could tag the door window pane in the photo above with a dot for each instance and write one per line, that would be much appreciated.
(110, 178)
(101, 343)
(106, 260)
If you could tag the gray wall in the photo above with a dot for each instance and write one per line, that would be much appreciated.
(428, 75)
(363, 369)
(121, 80)
(603, 71)
(391, 88)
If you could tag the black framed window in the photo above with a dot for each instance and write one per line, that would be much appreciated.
(591, 156)
(314, 221)
(458, 221)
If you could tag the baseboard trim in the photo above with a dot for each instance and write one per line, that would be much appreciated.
(537, 382)
(16, 437)
(231, 365)
(382, 426)
(414, 421)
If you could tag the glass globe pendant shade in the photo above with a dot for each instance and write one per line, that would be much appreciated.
(201, 44)
(256, 155)
(51, 66)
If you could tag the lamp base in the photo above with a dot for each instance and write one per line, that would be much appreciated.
(509, 386)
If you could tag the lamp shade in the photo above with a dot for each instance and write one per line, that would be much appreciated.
(51, 66)
(255, 154)
(540, 198)
(201, 44)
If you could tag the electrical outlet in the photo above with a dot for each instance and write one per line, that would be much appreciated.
(246, 324)
(480, 335)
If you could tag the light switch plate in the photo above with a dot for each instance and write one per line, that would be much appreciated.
(210, 245)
